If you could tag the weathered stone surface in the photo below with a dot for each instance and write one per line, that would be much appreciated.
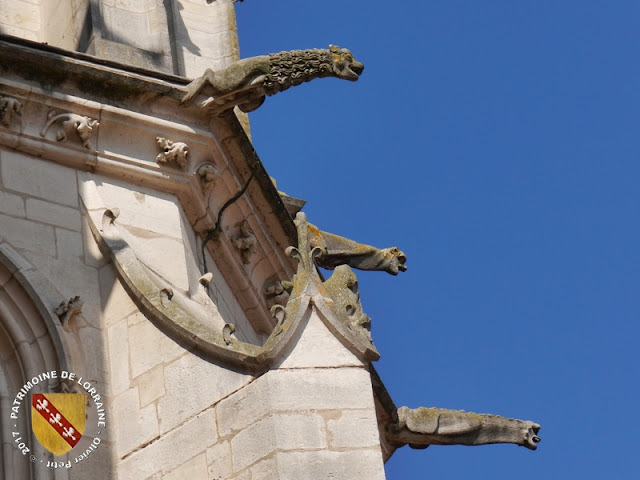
(299, 431)
(194, 469)
(45, 180)
(286, 431)
(354, 428)
(148, 347)
(142, 209)
(329, 464)
(253, 443)
(294, 390)
(163, 455)
(93, 257)
(320, 388)
(52, 214)
(24, 234)
(12, 204)
(126, 413)
(118, 357)
(317, 347)
(266, 469)
(69, 245)
(193, 384)
(219, 460)
(151, 385)
(117, 303)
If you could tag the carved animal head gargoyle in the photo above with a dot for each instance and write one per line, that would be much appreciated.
(344, 65)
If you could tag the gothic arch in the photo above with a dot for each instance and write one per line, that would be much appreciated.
(31, 342)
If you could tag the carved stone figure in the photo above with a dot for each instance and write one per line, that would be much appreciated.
(343, 251)
(68, 309)
(422, 427)
(275, 293)
(207, 174)
(71, 123)
(270, 74)
(342, 287)
(9, 107)
(172, 152)
(244, 241)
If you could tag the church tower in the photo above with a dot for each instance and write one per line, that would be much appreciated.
(162, 314)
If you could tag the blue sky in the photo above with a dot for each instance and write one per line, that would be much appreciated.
(496, 143)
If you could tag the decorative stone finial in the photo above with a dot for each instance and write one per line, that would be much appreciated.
(247, 82)
(71, 124)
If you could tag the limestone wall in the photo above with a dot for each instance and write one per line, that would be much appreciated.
(56, 22)
(93, 206)
(180, 37)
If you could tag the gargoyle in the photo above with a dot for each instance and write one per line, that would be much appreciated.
(71, 123)
(422, 427)
(269, 74)
(342, 251)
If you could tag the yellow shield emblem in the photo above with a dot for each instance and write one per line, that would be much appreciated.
(58, 420)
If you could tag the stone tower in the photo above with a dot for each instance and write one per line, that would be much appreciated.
(161, 310)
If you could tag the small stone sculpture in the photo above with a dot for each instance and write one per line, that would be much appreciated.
(422, 427)
(172, 152)
(71, 123)
(207, 174)
(67, 309)
(343, 251)
(343, 288)
(269, 74)
(275, 293)
(244, 241)
(228, 330)
(9, 108)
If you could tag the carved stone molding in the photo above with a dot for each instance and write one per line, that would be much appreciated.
(10, 108)
(173, 153)
(71, 124)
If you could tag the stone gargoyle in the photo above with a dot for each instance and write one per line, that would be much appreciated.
(247, 82)
(421, 427)
(343, 251)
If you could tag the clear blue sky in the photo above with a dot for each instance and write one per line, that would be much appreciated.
(497, 144)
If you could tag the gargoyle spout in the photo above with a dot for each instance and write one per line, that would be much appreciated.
(247, 82)
(422, 427)
(343, 251)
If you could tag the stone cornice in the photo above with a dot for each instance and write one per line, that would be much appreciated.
(101, 117)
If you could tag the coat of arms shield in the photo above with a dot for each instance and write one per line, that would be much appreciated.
(58, 420)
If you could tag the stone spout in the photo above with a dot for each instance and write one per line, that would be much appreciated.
(422, 427)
